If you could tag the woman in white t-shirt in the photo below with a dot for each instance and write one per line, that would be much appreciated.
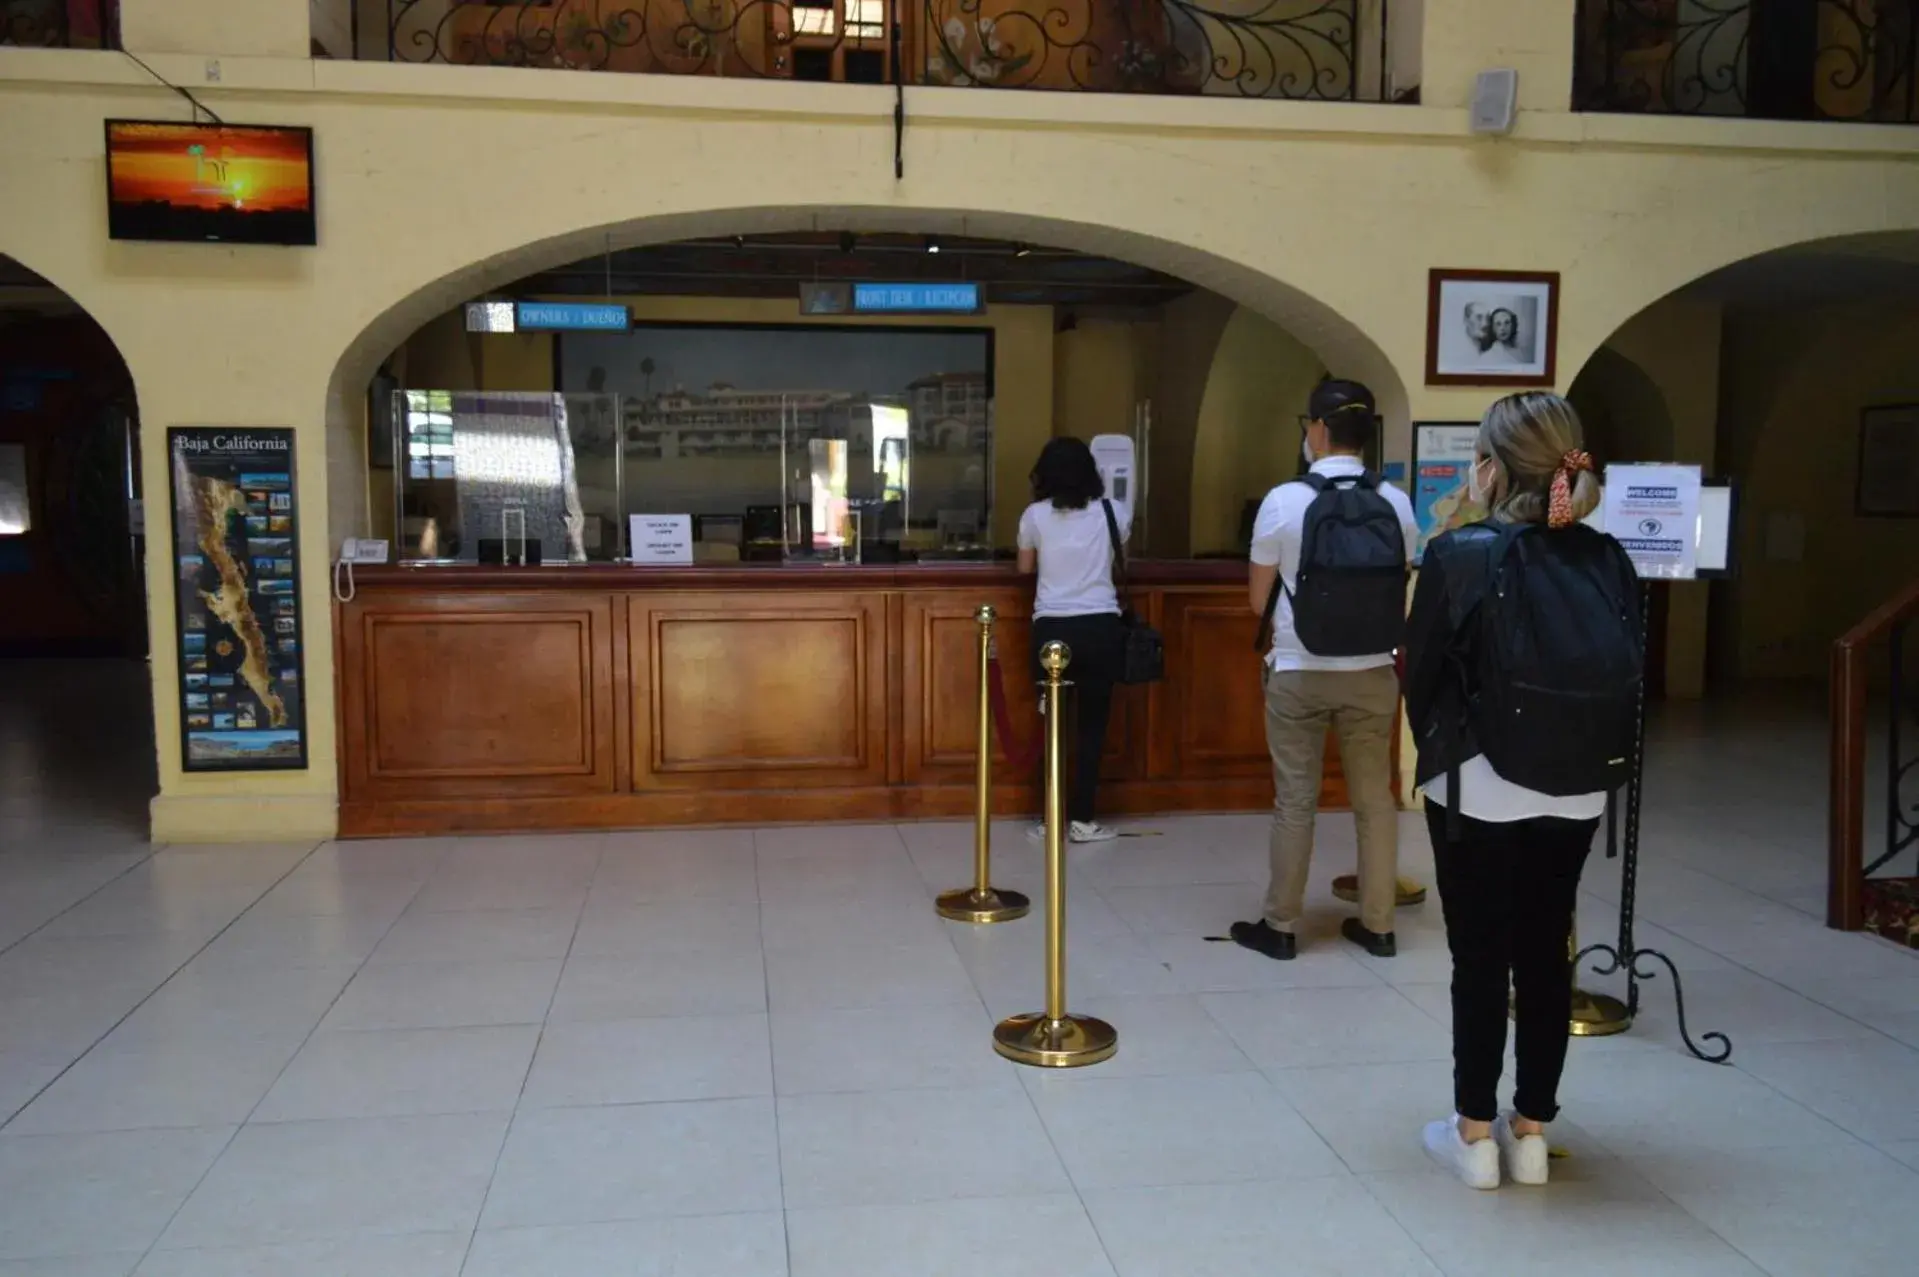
(1064, 538)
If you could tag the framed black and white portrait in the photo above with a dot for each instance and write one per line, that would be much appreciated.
(1492, 328)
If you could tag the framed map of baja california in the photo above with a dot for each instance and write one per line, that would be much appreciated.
(237, 599)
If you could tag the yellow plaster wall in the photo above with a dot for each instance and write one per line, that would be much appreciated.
(436, 183)
(1102, 369)
(243, 28)
(1248, 434)
(1796, 381)
(1461, 38)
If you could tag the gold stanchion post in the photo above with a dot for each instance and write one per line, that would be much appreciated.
(1052, 1039)
(1595, 1015)
(981, 902)
(1410, 890)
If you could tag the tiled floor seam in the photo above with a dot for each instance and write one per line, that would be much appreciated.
(1735, 964)
(532, 1059)
(149, 996)
(772, 1056)
(224, 1148)
(153, 851)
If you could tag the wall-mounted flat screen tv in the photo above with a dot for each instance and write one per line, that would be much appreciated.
(210, 183)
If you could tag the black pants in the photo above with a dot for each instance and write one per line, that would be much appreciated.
(1097, 645)
(1509, 892)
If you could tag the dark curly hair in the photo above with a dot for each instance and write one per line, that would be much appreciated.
(1067, 475)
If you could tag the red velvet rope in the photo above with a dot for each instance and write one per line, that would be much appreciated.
(1021, 754)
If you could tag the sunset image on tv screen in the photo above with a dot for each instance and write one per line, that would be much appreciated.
(220, 183)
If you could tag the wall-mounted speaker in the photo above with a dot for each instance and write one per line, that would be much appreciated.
(1495, 101)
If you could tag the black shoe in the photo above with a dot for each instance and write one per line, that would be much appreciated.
(1261, 938)
(1379, 944)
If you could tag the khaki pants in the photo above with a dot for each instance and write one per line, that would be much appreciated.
(1358, 707)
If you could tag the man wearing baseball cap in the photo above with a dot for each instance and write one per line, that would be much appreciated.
(1329, 559)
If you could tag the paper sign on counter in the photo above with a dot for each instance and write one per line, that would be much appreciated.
(661, 538)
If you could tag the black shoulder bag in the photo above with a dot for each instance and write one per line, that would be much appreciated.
(1143, 652)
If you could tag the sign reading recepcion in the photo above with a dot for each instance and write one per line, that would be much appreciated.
(237, 599)
(917, 299)
(661, 538)
(1653, 511)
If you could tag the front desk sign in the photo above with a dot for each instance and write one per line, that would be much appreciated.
(661, 538)
(1653, 511)
(237, 599)
(917, 299)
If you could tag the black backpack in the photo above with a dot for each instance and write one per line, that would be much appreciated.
(1560, 652)
(1350, 595)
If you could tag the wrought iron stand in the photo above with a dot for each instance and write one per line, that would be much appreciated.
(1625, 955)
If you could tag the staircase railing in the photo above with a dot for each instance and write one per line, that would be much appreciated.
(1847, 867)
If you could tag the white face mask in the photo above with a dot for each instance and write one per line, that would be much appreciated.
(1306, 449)
(1476, 491)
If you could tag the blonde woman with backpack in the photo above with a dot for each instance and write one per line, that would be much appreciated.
(1524, 664)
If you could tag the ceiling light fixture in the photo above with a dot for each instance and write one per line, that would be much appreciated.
(932, 243)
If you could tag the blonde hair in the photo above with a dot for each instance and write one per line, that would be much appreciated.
(1534, 438)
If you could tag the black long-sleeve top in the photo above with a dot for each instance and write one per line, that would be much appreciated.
(1440, 660)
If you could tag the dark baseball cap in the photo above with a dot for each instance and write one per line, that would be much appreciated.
(1335, 395)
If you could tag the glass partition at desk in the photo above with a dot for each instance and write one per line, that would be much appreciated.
(768, 472)
(498, 477)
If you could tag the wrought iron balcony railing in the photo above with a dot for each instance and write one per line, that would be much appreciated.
(60, 24)
(1760, 59)
(1243, 48)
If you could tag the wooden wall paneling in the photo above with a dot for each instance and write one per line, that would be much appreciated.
(758, 689)
(510, 699)
(895, 688)
(1214, 720)
(1215, 710)
(470, 697)
(623, 724)
(939, 683)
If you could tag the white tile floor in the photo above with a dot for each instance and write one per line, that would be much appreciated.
(756, 1053)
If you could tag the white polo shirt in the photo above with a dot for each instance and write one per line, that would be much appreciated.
(1276, 536)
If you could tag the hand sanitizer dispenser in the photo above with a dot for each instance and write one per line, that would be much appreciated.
(1114, 456)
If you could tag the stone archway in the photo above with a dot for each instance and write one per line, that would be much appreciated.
(1317, 325)
(75, 710)
(1623, 409)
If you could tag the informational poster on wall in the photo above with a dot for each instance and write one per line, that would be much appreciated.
(1653, 511)
(1442, 479)
(237, 599)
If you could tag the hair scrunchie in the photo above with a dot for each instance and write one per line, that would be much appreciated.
(1559, 511)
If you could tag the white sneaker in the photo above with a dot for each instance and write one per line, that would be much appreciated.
(1090, 831)
(1526, 1156)
(1476, 1164)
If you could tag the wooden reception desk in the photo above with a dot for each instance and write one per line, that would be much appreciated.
(478, 698)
